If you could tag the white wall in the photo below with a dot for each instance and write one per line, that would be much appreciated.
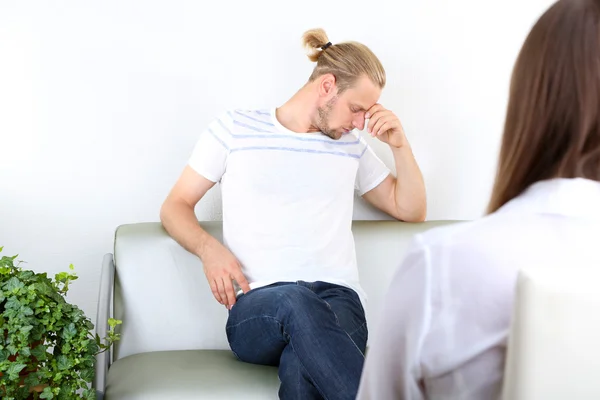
(101, 104)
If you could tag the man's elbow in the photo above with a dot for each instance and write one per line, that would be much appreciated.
(173, 208)
(414, 215)
(418, 217)
(165, 210)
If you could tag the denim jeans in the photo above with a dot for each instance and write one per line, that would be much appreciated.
(316, 333)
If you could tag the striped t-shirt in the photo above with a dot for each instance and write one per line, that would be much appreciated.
(287, 196)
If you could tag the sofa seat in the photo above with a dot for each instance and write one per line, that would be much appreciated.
(189, 374)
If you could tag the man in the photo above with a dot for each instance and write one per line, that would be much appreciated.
(288, 177)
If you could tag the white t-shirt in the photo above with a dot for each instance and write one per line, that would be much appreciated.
(287, 197)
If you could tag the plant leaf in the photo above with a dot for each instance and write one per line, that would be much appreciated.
(63, 362)
(69, 332)
(87, 374)
(39, 352)
(114, 322)
(12, 349)
(47, 393)
(26, 275)
(14, 369)
(13, 284)
(43, 288)
(27, 311)
(89, 394)
(12, 304)
(25, 351)
(32, 380)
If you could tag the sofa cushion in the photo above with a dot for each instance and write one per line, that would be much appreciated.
(189, 374)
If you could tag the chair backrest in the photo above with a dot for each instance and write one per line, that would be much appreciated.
(554, 341)
(164, 300)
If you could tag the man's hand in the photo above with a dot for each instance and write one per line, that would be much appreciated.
(220, 267)
(384, 125)
(402, 196)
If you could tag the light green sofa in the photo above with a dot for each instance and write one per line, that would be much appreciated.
(173, 343)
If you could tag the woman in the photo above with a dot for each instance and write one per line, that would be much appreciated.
(449, 305)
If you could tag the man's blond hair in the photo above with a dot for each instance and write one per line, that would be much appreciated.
(347, 61)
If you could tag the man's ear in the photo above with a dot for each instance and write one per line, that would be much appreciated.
(327, 86)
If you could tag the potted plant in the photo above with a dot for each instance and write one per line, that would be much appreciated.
(47, 348)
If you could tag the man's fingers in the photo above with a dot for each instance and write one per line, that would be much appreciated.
(215, 291)
(376, 126)
(371, 111)
(379, 117)
(214, 287)
(241, 281)
(373, 121)
(382, 128)
(229, 291)
(221, 282)
(221, 289)
(382, 122)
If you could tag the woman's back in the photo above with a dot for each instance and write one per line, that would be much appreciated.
(555, 224)
(449, 307)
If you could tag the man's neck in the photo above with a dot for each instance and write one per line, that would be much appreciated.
(298, 113)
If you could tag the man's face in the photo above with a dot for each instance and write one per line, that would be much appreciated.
(342, 113)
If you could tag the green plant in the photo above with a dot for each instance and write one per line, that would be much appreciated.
(47, 349)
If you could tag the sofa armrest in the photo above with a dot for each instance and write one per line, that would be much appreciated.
(107, 279)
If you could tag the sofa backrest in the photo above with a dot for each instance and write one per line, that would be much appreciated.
(164, 300)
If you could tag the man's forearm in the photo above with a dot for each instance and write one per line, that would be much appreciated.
(411, 200)
(181, 223)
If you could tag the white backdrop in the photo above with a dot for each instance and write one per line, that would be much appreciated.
(102, 102)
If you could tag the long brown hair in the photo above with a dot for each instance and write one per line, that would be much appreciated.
(347, 61)
(552, 127)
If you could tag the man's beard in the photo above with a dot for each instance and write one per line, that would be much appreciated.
(323, 123)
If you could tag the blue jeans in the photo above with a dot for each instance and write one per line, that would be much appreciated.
(315, 332)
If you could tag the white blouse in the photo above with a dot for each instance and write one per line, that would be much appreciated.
(446, 316)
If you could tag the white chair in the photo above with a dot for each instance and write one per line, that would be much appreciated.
(554, 341)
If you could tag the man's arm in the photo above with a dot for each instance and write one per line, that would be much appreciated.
(402, 197)
(179, 219)
(177, 212)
